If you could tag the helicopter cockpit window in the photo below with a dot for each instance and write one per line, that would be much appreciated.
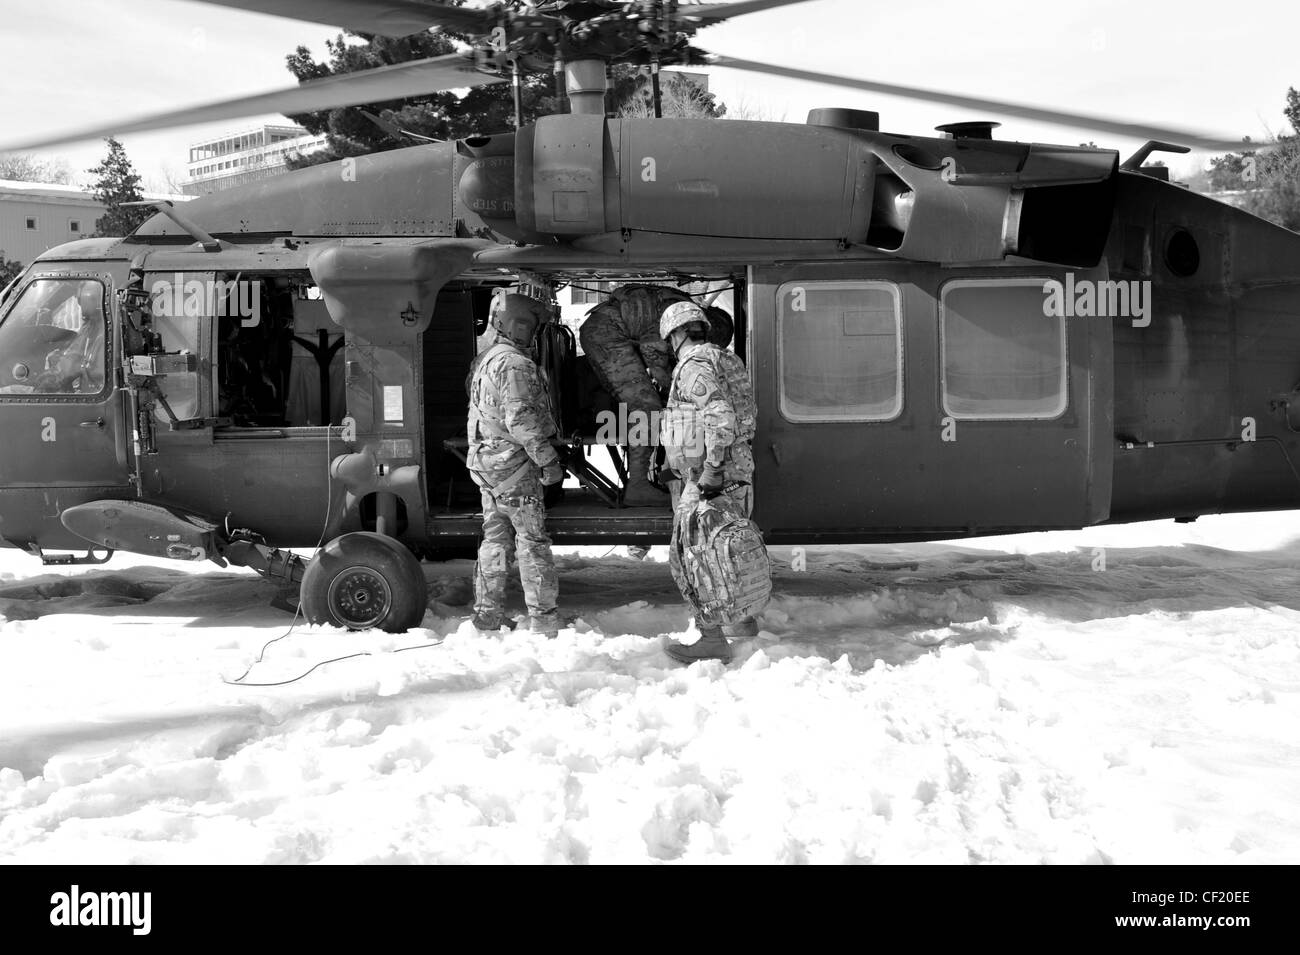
(52, 340)
(1003, 357)
(840, 351)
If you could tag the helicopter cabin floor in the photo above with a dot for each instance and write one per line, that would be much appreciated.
(581, 517)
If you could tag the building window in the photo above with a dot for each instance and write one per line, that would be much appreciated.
(31, 224)
(590, 293)
(74, 226)
(840, 351)
(1002, 356)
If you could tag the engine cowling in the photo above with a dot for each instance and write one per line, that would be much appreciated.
(584, 175)
(574, 176)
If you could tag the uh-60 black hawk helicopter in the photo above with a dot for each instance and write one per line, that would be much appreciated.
(948, 335)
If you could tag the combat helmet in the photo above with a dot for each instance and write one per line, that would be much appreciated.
(517, 317)
(679, 314)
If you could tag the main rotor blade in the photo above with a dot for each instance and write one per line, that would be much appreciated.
(398, 81)
(394, 18)
(998, 107)
(717, 12)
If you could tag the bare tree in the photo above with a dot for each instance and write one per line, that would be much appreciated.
(748, 111)
(30, 168)
(168, 180)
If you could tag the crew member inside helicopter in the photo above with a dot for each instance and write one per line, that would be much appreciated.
(620, 338)
(55, 344)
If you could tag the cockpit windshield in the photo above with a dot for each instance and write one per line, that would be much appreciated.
(52, 339)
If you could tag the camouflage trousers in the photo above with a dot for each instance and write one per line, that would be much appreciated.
(622, 371)
(685, 496)
(515, 526)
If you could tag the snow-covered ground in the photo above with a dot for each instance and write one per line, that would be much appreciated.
(1127, 695)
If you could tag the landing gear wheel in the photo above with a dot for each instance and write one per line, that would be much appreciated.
(364, 581)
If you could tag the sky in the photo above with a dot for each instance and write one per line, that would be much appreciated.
(74, 63)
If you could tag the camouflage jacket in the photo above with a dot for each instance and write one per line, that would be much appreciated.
(631, 315)
(510, 419)
(711, 415)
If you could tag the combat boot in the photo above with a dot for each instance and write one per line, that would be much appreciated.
(712, 645)
(639, 491)
(548, 625)
(486, 623)
(744, 629)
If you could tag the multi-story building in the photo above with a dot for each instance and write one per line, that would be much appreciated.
(245, 156)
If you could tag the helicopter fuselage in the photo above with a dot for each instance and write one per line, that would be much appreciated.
(946, 338)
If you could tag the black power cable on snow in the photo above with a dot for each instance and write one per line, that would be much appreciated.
(350, 656)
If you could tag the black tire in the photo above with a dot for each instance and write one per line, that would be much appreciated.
(364, 581)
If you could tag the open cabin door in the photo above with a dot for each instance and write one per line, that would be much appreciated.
(909, 402)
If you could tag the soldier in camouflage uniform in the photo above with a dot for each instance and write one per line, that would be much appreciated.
(621, 340)
(707, 429)
(511, 458)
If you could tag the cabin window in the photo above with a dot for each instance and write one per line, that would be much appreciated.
(840, 351)
(271, 356)
(32, 224)
(52, 340)
(1003, 356)
(179, 305)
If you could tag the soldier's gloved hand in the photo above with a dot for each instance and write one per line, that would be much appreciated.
(711, 482)
(662, 378)
(552, 474)
(661, 475)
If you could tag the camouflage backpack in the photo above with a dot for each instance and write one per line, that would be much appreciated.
(722, 562)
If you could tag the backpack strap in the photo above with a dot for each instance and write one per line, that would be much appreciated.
(481, 424)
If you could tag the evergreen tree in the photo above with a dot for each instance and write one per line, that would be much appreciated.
(482, 110)
(1271, 177)
(1233, 171)
(9, 270)
(116, 182)
(444, 115)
